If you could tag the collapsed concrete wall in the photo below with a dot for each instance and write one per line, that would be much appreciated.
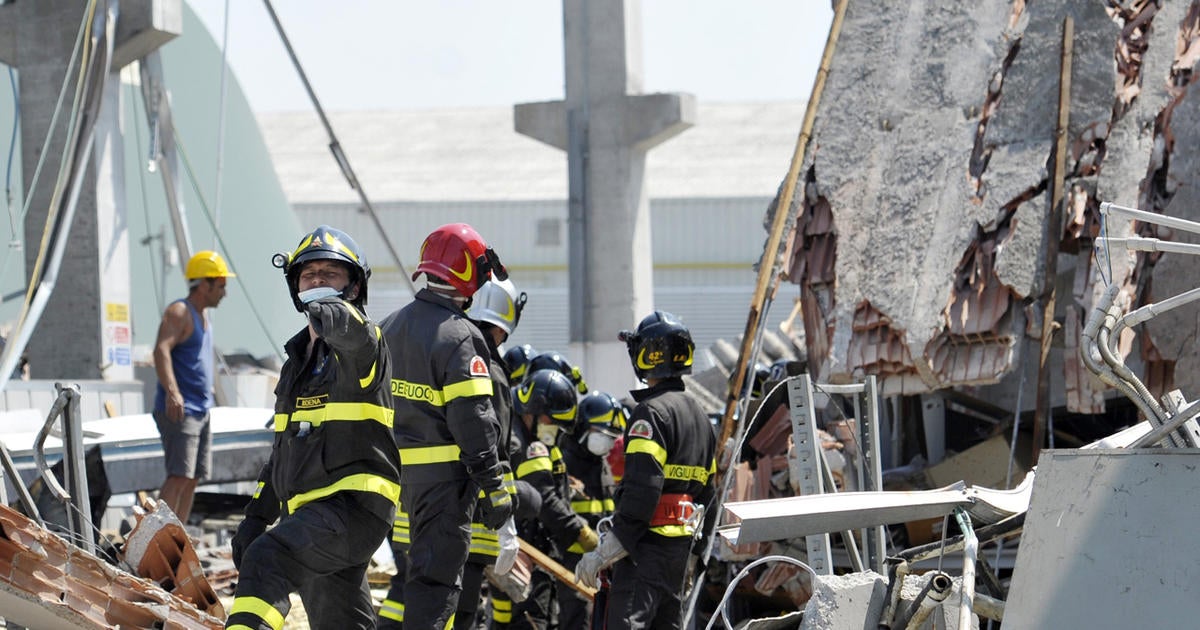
(922, 211)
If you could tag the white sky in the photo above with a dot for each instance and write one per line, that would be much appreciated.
(405, 54)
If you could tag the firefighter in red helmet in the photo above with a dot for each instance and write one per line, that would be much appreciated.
(446, 428)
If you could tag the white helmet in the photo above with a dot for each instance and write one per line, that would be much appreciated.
(498, 303)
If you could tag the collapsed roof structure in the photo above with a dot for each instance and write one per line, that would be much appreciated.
(923, 231)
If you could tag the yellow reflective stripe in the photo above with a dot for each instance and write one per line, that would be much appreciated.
(420, 392)
(673, 531)
(501, 610)
(593, 506)
(469, 387)
(238, 627)
(648, 447)
(685, 473)
(366, 380)
(450, 621)
(259, 608)
(281, 420)
(392, 609)
(576, 548)
(364, 482)
(400, 529)
(342, 412)
(603, 418)
(354, 312)
(564, 415)
(259, 488)
(429, 454)
(531, 466)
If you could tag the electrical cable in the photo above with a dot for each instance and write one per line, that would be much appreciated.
(221, 123)
(58, 105)
(137, 132)
(187, 165)
(723, 614)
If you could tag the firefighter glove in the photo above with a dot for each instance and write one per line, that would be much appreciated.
(328, 315)
(247, 533)
(587, 538)
(605, 554)
(509, 545)
(497, 506)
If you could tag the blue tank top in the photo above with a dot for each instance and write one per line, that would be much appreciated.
(193, 362)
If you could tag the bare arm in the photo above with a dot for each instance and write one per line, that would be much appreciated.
(175, 327)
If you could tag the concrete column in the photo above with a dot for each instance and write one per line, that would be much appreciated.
(606, 126)
(84, 332)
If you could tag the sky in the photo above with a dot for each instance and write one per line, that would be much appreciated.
(421, 54)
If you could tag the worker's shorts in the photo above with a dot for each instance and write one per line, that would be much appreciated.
(187, 445)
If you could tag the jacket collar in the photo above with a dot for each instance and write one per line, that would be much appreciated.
(673, 384)
(433, 297)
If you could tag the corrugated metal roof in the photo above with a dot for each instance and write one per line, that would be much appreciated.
(735, 150)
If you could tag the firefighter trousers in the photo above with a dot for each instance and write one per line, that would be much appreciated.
(573, 610)
(439, 516)
(649, 593)
(321, 551)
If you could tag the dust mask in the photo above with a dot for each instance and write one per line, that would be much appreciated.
(599, 444)
(547, 434)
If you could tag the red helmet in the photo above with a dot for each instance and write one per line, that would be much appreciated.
(456, 254)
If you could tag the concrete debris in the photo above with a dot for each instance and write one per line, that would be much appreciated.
(845, 601)
(46, 582)
(918, 245)
(159, 549)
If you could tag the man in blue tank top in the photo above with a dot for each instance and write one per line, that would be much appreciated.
(183, 360)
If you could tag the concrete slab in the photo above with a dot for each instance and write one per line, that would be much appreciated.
(1108, 542)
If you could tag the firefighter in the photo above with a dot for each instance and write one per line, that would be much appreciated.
(517, 359)
(446, 426)
(545, 404)
(333, 475)
(556, 361)
(598, 424)
(496, 309)
(669, 465)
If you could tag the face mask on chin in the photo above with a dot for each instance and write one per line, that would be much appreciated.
(547, 434)
(599, 444)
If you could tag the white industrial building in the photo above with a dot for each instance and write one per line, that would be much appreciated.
(709, 189)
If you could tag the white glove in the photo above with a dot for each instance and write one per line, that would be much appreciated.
(603, 556)
(508, 546)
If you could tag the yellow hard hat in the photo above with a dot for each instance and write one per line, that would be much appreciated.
(207, 264)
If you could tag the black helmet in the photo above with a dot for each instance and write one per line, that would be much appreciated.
(325, 243)
(517, 358)
(547, 392)
(601, 411)
(555, 361)
(661, 346)
(759, 379)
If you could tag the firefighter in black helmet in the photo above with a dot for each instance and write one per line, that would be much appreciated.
(600, 421)
(556, 361)
(333, 476)
(517, 359)
(669, 463)
(546, 405)
(446, 426)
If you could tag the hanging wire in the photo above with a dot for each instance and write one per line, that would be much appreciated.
(221, 124)
(149, 238)
(45, 152)
(12, 149)
(721, 607)
(187, 165)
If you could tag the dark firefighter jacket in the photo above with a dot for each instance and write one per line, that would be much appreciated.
(445, 427)
(485, 543)
(593, 502)
(333, 420)
(542, 467)
(669, 449)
